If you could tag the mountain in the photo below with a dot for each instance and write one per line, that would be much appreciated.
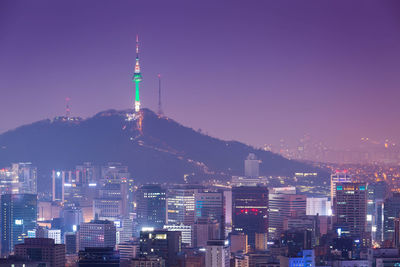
(154, 148)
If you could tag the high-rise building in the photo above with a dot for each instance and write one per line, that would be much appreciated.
(71, 243)
(87, 173)
(319, 205)
(205, 229)
(181, 204)
(186, 233)
(282, 205)
(252, 166)
(20, 178)
(217, 254)
(250, 211)
(338, 177)
(391, 211)
(58, 183)
(97, 233)
(162, 243)
(350, 207)
(151, 206)
(42, 249)
(18, 216)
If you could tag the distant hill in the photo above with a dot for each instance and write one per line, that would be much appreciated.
(164, 151)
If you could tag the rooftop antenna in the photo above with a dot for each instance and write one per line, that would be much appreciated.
(160, 112)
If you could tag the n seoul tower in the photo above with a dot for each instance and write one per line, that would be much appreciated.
(137, 77)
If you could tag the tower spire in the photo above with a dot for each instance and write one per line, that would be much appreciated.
(67, 108)
(137, 77)
(160, 112)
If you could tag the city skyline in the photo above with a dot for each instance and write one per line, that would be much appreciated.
(328, 69)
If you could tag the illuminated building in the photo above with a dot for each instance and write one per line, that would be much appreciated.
(128, 249)
(181, 204)
(307, 258)
(137, 77)
(391, 211)
(151, 206)
(250, 211)
(350, 207)
(161, 243)
(283, 204)
(252, 166)
(18, 216)
(217, 254)
(238, 243)
(97, 233)
(20, 178)
(186, 233)
(42, 249)
(319, 205)
(205, 229)
(338, 177)
(58, 183)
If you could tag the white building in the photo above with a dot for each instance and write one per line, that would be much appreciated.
(186, 233)
(217, 254)
(318, 205)
(252, 166)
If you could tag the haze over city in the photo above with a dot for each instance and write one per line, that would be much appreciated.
(254, 71)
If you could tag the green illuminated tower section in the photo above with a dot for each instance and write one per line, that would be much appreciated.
(137, 77)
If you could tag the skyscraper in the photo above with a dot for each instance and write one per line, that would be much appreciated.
(97, 233)
(350, 207)
(338, 177)
(18, 216)
(282, 206)
(251, 166)
(58, 178)
(217, 254)
(391, 211)
(151, 206)
(250, 211)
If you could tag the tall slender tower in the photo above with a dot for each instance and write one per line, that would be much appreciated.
(137, 77)
(160, 112)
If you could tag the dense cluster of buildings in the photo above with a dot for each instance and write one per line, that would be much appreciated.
(98, 215)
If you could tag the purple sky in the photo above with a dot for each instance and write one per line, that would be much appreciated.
(253, 71)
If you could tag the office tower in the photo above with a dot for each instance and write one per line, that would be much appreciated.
(338, 177)
(58, 178)
(350, 207)
(210, 205)
(111, 203)
(42, 249)
(114, 171)
(239, 243)
(71, 243)
(129, 249)
(181, 204)
(124, 230)
(87, 173)
(250, 211)
(205, 229)
(261, 241)
(186, 233)
(282, 205)
(318, 205)
(20, 178)
(97, 233)
(73, 217)
(217, 254)
(151, 206)
(391, 211)
(162, 243)
(98, 256)
(251, 166)
(54, 234)
(18, 216)
(27, 177)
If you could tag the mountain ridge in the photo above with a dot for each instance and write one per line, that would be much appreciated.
(163, 150)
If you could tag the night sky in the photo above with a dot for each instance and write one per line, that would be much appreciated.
(252, 71)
